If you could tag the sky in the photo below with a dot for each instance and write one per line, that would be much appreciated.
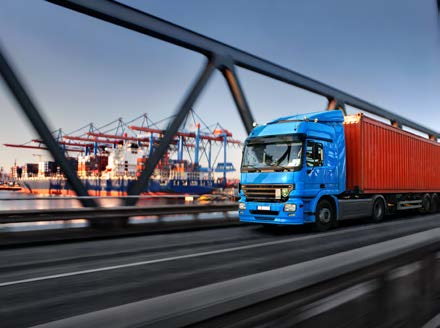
(79, 69)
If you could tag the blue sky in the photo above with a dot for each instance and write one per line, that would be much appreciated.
(81, 70)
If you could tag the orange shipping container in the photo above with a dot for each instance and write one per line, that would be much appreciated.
(385, 159)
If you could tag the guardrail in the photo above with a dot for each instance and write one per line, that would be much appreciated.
(78, 198)
(120, 212)
(392, 283)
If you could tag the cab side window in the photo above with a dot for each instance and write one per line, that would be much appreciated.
(314, 154)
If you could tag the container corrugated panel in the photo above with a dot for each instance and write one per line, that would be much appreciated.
(385, 159)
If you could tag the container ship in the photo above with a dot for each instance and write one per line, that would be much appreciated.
(108, 164)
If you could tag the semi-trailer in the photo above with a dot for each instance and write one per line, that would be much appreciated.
(323, 167)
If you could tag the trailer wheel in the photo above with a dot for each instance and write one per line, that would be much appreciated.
(426, 204)
(324, 217)
(378, 212)
(434, 203)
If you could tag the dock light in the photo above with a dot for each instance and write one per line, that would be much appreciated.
(289, 207)
(241, 206)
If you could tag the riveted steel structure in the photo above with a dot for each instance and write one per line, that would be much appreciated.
(220, 57)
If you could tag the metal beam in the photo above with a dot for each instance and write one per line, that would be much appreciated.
(141, 22)
(172, 129)
(30, 110)
(335, 104)
(239, 97)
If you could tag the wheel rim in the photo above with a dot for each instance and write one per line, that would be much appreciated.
(325, 215)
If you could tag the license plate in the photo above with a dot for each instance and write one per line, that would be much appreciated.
(264, 208)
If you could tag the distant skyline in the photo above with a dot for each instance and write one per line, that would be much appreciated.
(81, 70)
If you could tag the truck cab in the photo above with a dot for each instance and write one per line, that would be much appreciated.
(292, 170)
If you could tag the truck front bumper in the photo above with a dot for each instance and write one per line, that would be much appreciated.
(272, 213)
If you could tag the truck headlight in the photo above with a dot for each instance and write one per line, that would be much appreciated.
(241, 206)
(289, 207)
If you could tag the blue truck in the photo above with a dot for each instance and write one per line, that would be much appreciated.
(318, 168)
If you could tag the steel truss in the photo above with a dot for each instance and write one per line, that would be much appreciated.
(219, 56)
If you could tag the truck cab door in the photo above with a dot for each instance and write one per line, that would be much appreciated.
(315, 171)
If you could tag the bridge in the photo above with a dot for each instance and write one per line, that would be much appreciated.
(194, 264)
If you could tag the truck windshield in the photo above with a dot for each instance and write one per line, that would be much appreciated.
(276, 155)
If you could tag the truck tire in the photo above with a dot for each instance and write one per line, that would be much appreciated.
(434, 203)
(426, 204)
(378, 210)
(324, 217)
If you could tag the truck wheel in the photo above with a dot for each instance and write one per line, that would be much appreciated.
(324, 216)
(378, 212)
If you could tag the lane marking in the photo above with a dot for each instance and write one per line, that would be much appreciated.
(173, 258)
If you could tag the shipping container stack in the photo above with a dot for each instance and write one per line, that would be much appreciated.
(140, 165)
(16, 172)
(30, 170)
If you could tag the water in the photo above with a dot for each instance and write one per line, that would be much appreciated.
(12, 200)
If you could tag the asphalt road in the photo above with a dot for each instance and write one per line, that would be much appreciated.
(46, 283)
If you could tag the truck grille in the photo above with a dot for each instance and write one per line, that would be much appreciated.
(262, 212)
(266, 192)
